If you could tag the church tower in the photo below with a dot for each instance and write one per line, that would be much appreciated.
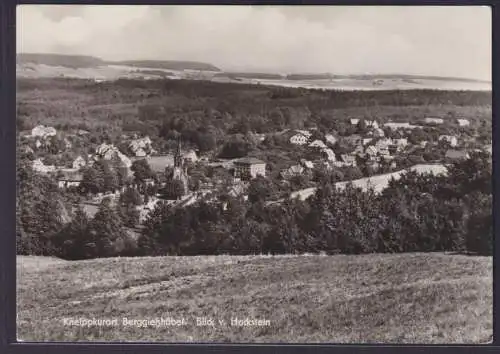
(178, 155)
(180, 171)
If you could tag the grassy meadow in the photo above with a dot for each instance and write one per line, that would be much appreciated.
(391, 298)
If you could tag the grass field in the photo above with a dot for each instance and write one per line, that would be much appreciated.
(404, 298)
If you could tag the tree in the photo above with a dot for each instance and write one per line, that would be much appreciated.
(235, 148)
(93, 180)
(74, 239)
(106, 229)
(260, 189)
(142, 171)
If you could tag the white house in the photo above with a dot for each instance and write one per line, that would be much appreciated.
(396, 126)
(79, 162)
(140, 147)
(354, 121)
(43, 131)
(349, 160)
(452, 140)
(430, 120)
(306, 133)
(317, 144)
(249, 167)
(307, 164)
(378, 133)
(372, 124)
(371, 150)
(463, 122)
(330, 139)
(69, 178)
(330, 155)
(107, 152)
(190, 156)
(401, 142)
(299, 139)
(40, 167)
(292, 171)
(367, 140)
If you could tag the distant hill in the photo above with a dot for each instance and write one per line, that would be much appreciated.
(167, 64)
(404, 77)
(309, 76)
(249, 75)
(70, 61)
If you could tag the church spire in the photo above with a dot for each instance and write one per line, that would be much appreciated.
(178, 154)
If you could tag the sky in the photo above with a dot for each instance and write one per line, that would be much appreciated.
(421, 40)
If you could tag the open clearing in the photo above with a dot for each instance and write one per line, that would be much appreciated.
(396, 298)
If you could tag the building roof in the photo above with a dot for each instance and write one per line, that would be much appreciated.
(457, 154)
(249, 161)
(70, 175)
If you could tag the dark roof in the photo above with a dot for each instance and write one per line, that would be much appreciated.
(456, 154)
(248, 161)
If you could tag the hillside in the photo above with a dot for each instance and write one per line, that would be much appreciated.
(69, 61)
(404, 298)
(167, 64)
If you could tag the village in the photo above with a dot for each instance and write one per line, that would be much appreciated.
(374, 149)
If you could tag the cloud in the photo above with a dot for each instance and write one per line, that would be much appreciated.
(449, 41)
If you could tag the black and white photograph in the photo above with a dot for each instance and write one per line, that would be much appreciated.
(254, 174)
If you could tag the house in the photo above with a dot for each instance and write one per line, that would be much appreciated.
(452, 154)
(452, 140)
(40, 167)
(108, 152)
(79, 162)
(140, 153)
(372, 124)
(299, 139)
(82, 132)
(430, 120)
(190, 156)
(307, 164)
(330, 139)
(354, 121)
(329, 154)
(26, 149)
(367, 140)
(354, 139)
(141, 147)
(463, 122)
(378, 133)
(43, 131)
(396, 126)
(402, 142)
(236, 190)
(69, 178)
(371, 151)
(292, 171)
(249, 167)
(349, 160)
(306, 133)
(317, 144)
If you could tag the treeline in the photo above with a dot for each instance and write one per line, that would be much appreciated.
(417, 213)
